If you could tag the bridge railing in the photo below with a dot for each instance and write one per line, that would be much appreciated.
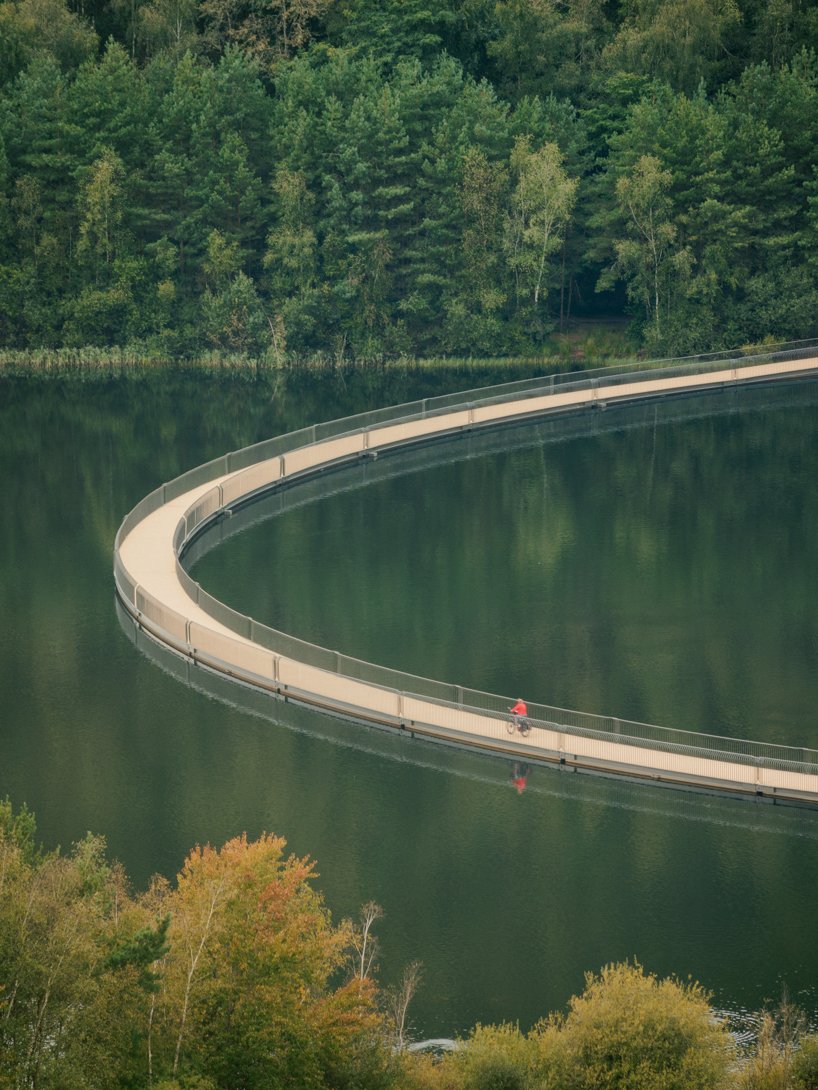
(276, 660)
(280, 646)
(587, 724)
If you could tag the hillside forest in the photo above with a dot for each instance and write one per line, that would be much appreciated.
(364, 179)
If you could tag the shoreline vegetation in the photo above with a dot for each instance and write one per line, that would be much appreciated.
(565, 354)
(85, 363)
(235, 974)
(575, 351)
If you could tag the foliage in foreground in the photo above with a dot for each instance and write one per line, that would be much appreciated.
(235, 976)
(230, 977)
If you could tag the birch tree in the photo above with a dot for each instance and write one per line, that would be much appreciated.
(101, 207)
(648, 258)
(541, 206)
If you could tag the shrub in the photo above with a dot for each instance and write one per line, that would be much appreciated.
(631, 1031)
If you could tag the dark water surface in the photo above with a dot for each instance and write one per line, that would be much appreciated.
(664, 572)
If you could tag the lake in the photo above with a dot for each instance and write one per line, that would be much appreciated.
(657, 565)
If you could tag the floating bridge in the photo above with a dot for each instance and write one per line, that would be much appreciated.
(164, 601)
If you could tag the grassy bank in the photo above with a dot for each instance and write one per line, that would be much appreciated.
(102, 363)
(583, 346)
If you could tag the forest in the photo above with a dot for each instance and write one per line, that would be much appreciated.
(234, 975)
(371, 179)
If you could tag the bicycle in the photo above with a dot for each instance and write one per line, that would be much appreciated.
(518, 724)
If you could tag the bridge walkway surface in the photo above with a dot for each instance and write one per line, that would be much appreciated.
(172, 609)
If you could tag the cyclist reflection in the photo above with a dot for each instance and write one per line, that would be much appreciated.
(519, 777)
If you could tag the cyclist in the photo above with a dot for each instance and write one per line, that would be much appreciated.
(519, 713)
(519, 709)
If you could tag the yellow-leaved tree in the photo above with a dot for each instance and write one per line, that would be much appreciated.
(248, 995)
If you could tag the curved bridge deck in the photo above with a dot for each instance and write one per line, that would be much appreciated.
(174, 610)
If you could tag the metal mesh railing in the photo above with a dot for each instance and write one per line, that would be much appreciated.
(468, 701)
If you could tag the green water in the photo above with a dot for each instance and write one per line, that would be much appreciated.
(663, 572)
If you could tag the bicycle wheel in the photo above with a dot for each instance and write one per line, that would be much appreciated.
(525, 728)
(511, 725)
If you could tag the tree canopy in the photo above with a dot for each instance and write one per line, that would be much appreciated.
(405, 178)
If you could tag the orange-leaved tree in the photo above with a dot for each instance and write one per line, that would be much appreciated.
(249, 995)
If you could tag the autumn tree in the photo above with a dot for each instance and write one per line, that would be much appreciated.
(247, 995)
(496, 1056)
(71, 983)
(364, 942)
(398, 999)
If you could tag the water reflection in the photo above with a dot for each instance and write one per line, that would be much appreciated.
(640, 531)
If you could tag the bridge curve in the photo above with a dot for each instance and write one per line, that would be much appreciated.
(174, 610)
